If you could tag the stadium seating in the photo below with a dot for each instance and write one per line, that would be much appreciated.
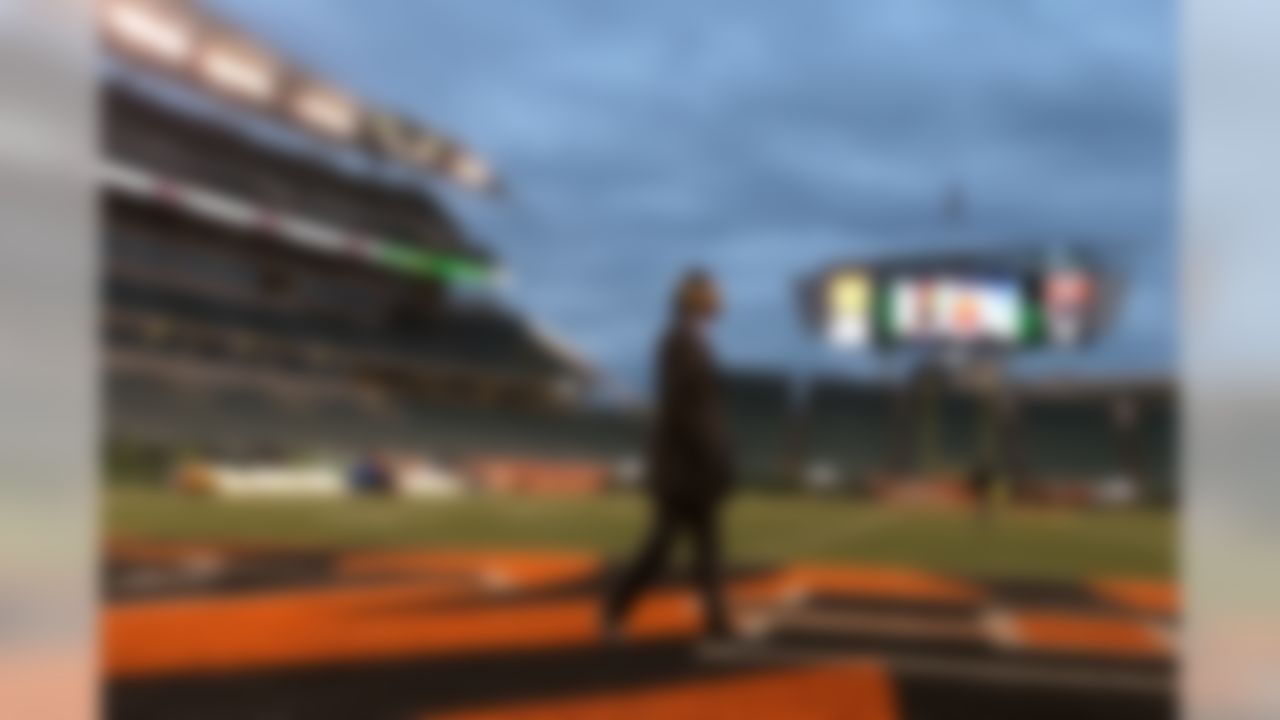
(141, 130)
(1158, 448)
(850, 425)
(758, 407)
(1069, 439)
(479, 339)
(963, 429)
(247, 416)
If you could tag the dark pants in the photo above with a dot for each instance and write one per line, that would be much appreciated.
(701, 522)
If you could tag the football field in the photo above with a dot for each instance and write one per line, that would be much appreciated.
(487, 608)
(1036, 543)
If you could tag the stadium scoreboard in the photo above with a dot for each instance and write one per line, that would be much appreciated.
(869, 306)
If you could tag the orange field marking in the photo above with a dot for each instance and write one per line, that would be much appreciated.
(441, 604)
(344, 623)
(853, 691)
(1064, 632)
(235, 635)
(1152, 596)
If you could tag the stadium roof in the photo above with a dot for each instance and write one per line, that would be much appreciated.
(188, 43)
(166, 155)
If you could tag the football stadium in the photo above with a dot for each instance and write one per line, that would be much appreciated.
(345, 475)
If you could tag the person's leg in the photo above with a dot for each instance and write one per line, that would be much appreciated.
(708, 568)
(642, 570)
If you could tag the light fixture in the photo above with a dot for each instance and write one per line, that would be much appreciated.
(326, 111)
(389, 134)
(143, 27)
(427, 149)
(238, 71)
(470, 171)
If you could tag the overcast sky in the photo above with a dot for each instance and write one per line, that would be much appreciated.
(763, 139)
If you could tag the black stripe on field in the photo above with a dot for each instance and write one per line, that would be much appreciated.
(921, 608)
(853, 644)
(415, 689)
(932, 698)
(404, 689)
(265, 571)
(162, 587)
(214, 573)
(590, 586)
(1053, 595)
(935, 687)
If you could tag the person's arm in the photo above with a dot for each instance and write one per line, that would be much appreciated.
(695, 415)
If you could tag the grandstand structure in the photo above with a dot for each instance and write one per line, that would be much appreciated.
(224, 330)
(256, 305)
(1050, 441)
(763, 425)
(954, 319)
(281, 283)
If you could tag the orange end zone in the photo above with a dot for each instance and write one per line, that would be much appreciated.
(288, 627)
(1067, 633)
(234, 635)
(1152, 596)
(853, 691)
(294, 627)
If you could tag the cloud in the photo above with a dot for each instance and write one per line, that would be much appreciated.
(764, 139)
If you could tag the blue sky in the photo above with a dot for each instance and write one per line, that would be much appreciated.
(763, 139)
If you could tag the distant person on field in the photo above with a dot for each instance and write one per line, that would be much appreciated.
(689, 468)
(982, 482)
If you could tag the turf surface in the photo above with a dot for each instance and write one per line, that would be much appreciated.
(760, 528)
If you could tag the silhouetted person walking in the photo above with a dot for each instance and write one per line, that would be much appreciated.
(689, 468)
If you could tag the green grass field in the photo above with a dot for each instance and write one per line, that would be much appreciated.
(760, 528)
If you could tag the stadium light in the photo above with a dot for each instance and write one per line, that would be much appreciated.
(428, 149)
(403, 142)
(181, 37)
(162, 35)
(388, 134)
(471, 172)
(238, 71)
(326, 111)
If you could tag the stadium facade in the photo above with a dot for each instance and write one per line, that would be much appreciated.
(260, 300)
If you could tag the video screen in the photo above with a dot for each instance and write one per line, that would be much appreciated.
(850, 298)
(868, 308)
(955, 308)
(1069, 299)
